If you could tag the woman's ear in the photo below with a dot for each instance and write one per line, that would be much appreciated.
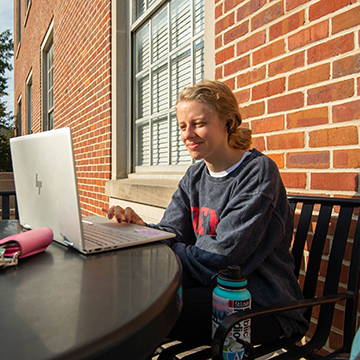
(229, 124)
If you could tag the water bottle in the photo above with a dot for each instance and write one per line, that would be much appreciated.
(230, 295)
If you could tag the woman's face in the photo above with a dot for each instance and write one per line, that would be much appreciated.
(202, 131)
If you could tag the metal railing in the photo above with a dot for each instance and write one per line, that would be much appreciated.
(6, 210)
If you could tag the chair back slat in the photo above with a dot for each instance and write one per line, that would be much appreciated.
(301, 236)
(337, 250)
(316, 251)
(333, 270)
(353, 286)
(354, 277)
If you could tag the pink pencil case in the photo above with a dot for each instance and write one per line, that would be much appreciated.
(27, 243)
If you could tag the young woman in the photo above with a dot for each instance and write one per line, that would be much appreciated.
(229, 209)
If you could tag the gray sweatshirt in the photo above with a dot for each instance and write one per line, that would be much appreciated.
(241, 219)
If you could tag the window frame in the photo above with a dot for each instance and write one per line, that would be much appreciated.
(27, 10)
(18, 24)
(46, 46)
(147, 17)
(19, 117)
(121, 99)
(29, 104)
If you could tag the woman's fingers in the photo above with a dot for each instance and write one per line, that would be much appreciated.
(128, 215)
(116, 211)
(133, 217)
(119, 213)
(109, 212)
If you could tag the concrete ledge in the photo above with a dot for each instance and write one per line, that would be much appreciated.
(151, 192)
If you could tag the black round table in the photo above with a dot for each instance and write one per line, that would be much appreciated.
(60, 304)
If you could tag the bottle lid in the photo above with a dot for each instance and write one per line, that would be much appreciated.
(232, 277)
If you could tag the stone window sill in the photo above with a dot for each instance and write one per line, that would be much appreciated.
(145, 191)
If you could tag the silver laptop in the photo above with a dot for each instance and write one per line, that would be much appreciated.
(47, 196)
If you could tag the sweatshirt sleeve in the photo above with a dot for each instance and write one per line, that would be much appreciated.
(251, 223)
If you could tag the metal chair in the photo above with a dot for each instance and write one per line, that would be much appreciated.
(335, 241)
(5, 204)
(334, 221)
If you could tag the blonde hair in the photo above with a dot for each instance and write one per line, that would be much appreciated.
(220, 99)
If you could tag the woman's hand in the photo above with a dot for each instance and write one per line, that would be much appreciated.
(128, 215)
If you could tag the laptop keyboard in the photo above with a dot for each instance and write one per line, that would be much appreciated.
(104, 236)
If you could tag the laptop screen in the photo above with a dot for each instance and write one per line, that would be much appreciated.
(46, 183)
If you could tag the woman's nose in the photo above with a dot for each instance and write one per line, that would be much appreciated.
(188, 133)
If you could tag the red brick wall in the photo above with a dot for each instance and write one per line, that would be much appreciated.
(81, 38)
(294, 66)
(82, 54)
(27, 56)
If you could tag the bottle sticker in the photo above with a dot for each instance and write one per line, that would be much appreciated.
(221, 309)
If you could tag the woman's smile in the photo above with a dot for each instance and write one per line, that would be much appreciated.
(193, 145)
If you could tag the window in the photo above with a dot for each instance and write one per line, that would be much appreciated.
(47, 73)
(50, 89)
(168, 54)
(29, 104)
(27, 10)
